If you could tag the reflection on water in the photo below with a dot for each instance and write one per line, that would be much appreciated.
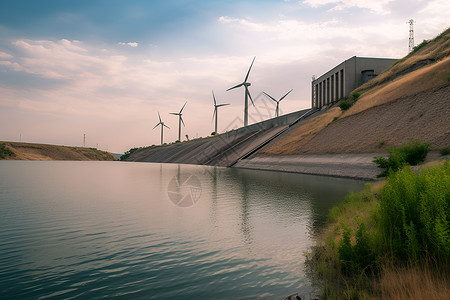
(96, 229)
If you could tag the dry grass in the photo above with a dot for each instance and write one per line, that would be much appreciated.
(301, 134)
(351, 213)
(437, 49)
(416, 98)
(426, 78)
(30, 151)
(414, 283)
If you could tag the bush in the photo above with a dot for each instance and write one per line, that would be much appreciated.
(445, 151)
(415, 214)
(421, 45)
(358, 258)
(128, 153)
(345, 104)
(4, 152)
(354, 96)
(213, 133)
(407, 223)
(411, 153)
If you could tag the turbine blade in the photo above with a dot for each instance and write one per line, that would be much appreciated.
(159, 117)
(176, 114)
(166, 126)
(183, 107)
(214, 98)
(236, 86)
(248, 93)
(222, 105)
(269, 96)
(156, 125)
(182, 120)
(285, 95)
(248, 73)
(214, 113)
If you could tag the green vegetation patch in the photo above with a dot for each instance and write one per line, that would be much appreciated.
(405, 224)
(346, 104)
(421, 45)
(415, 214)
(128, 153)
(445, 151)
(411, 153)
(5, 152)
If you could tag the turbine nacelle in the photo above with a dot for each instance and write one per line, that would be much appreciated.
(277, 101)
(180, 120)
(162, 128)
(247, 93)
(216, 113)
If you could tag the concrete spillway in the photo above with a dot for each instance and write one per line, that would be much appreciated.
(239, 148)
(221, 150)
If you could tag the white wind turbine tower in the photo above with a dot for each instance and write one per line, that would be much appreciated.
(162, 128)
(277, 110)
(247, 93)
(180, 120)
(215, 114)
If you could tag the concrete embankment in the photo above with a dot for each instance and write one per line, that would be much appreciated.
(222, 150)
(239, 149)
(357, 166)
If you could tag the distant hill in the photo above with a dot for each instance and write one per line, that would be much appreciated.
(411, 100)
(30, 151)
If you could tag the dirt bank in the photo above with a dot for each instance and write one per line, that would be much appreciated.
(29, 151)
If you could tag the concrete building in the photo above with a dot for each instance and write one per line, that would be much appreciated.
(345, 77)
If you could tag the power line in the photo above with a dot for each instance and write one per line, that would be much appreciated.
(411, 35)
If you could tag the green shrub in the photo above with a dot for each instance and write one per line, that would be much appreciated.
(346, 254)
(213, 133)
(411, 153)
(345, 104)
(415, 214)
(448, 77)
(445, 151)
(421, 45)
(4, 152)
(128, 153)
(354, 96)
(359, 258)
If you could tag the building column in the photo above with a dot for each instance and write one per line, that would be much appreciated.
(319, 102)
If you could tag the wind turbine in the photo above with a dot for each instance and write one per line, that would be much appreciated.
(277, 101)
(247, 93)
(215, 110)
(162, 128)
(180, 120)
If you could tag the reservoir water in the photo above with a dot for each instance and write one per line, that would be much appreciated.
(91, 230)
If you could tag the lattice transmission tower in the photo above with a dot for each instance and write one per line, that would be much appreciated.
(411, 35)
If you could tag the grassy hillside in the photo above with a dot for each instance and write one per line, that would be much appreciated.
(408, 101)
(29, 151)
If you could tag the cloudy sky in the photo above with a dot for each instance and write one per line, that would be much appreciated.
(105, 68)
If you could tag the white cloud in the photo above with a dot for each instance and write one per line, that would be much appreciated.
(113, 86)
(4, 55)
(131, 44)
(379, 6)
